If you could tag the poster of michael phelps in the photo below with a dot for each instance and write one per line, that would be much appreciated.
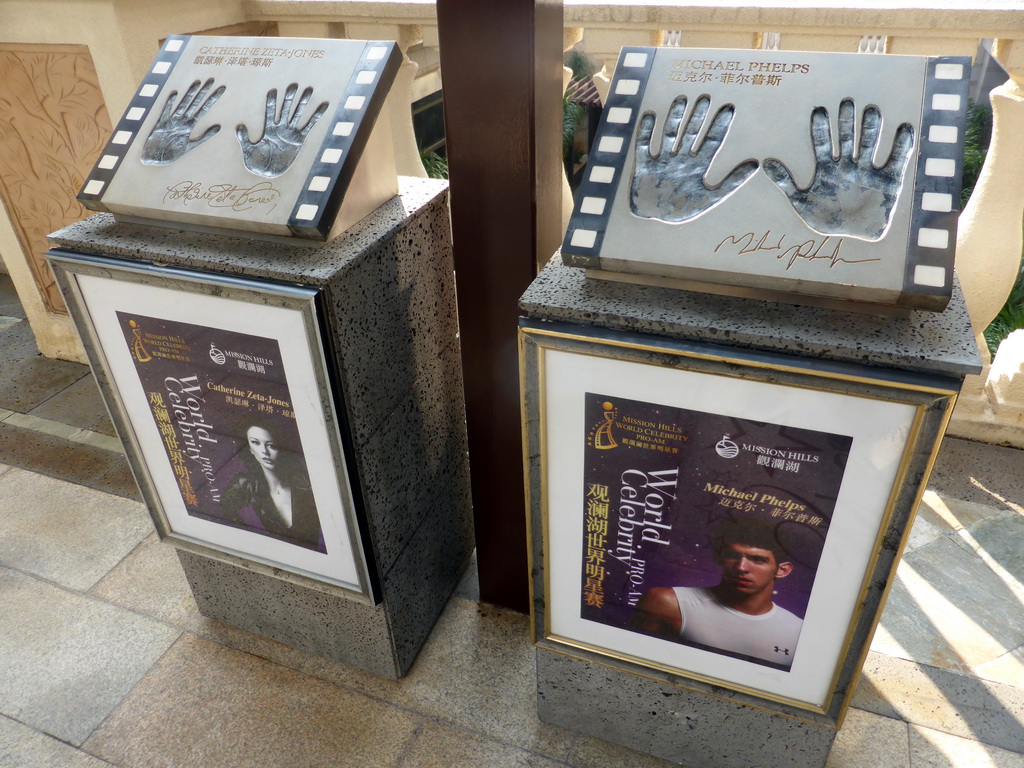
(221, 403)
(704, 529)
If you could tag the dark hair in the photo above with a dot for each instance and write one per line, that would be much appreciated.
(751, 531)
(290, 468)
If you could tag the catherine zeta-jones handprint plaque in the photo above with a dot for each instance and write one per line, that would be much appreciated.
(673, 185)
(270, 137)
(848, 194)
(282, 137)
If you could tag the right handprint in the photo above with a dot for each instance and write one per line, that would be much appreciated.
(848, 195)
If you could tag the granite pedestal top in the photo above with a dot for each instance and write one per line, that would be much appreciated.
(927, 342)
(297, 263)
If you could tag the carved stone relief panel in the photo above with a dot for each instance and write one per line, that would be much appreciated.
(53, 123)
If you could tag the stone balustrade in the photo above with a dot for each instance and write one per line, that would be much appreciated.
(989, 243)
(991, 407)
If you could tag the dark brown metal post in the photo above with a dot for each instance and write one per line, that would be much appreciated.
(502, 70)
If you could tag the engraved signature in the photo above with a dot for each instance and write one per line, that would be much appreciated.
(809, 250)
(224, 195)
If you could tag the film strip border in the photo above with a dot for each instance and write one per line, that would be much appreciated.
(585, 234)
(929, 268)
(128, 126)
(317, 204)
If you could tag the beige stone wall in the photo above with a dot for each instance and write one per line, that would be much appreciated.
(122, 36)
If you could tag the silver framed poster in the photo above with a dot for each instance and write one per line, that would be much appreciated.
(220, 391)
(717, 514)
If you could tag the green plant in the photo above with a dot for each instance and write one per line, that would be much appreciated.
(578, 62)
(572, 113)
(434, 164)
(976, 141)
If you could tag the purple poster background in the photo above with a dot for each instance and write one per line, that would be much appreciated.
(209, 390)
(659, 481)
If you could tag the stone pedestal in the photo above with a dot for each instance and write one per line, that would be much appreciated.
(391, 340)
(694, 719)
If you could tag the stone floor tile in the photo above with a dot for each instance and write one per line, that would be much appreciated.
(79, 405)
(456, 677)
(10, 305)
(17, 343)
(966, 596)
(441, 746)
(23, 747)
(987, 474)
(150, 581)
(469, 585)
(48, 455)
(1000, 543)
(943, 515)
(588, 752)
(1008, 669)
(956, 601)
(911, 628)
(27, 383)
(934, 749)
(953, 703)
(69, 659)
(867, 740)
(207, 705)
(63, 532)
(119, 481)
(956, 514)
(928, 526)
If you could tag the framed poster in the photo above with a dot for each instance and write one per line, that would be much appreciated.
(220, 391)
(717, 514)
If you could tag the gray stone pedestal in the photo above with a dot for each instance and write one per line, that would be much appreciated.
(694, 720)
(392, 343)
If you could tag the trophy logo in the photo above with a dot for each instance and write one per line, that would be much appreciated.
(602, 437)
(726, 448)
(139, 351)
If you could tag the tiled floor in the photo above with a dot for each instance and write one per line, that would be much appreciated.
(104, 659)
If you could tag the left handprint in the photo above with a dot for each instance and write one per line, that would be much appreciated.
(282, 138)
(672, 185)
(171, 137)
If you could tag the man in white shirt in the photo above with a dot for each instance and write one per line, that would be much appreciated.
(737, 616)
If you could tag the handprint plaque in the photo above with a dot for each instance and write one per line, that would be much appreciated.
(777, 173)
(306, 158)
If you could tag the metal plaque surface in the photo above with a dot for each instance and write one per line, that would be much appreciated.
(832, 175)
(245, 133)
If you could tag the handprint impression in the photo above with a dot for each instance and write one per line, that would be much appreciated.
(671, 186)
(282, 138)
(848, 194)
(170, 137)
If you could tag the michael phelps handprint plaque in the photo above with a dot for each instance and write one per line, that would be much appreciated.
(808, 177)
(265, 137)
